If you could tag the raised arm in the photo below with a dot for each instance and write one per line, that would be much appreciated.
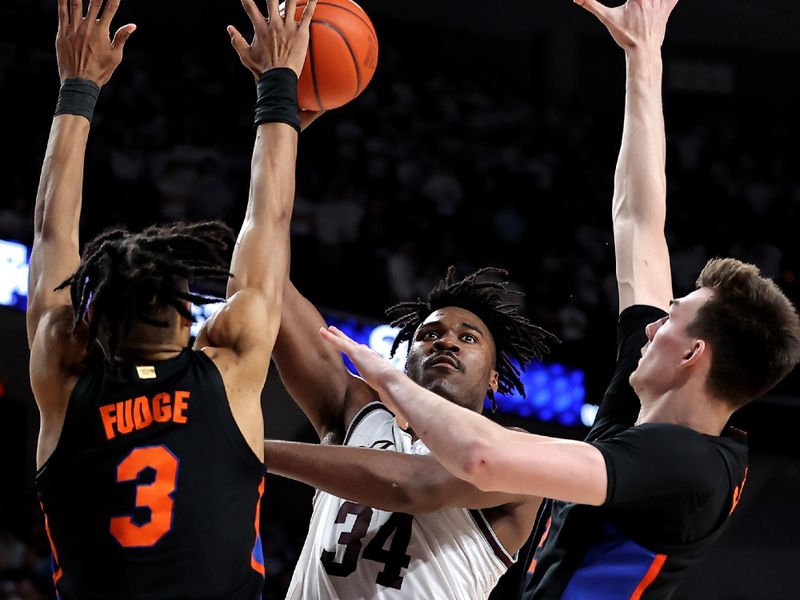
(313, 371)
(87, 57)
(474, 448)
(248, 323)
(640, 187)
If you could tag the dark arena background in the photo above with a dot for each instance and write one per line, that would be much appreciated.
(488, 136)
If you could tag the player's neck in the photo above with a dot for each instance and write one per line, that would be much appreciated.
(689, 408)
(143, 352)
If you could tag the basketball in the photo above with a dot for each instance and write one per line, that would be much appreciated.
(342, 55)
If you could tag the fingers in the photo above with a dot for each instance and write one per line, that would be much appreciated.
(93, 10)
(670, 5)
(256, 18)
(274, 11)
(109, 11)
(237, 40)
(76, 13)
(122, 35)
(308, 13)
(335, 336)
(289, 10)
(593, 6)
(342, 336)
(332, 338)
(63, 15)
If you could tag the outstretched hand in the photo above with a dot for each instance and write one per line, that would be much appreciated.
(84, 47)
(635, 24)
(278, 40)
(373, 367)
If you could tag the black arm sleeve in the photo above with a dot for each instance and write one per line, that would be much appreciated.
(620, 406)
(662, 468)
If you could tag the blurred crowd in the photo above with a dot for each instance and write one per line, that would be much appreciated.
(423, 171)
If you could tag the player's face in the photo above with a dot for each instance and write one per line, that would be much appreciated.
(669, 348)
(453, 355)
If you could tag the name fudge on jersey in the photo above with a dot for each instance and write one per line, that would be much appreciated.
(354, 551)
(670, 492)
(152, 491)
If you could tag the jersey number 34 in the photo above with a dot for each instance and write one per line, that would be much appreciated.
(394, 558)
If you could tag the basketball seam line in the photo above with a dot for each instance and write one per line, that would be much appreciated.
(313, 68)
(352, 12)
(349, 49)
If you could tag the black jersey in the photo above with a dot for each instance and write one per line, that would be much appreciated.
(670, 492)
(152, 491)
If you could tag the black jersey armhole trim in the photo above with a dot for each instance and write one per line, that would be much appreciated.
(359, 417)
(227, 420)
(489, 535)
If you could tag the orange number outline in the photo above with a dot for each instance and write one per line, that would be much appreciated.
(156, 496)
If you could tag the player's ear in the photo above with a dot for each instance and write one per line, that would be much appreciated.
(494, 381)
(694, 353)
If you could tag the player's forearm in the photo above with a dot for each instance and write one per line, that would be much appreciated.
(453, 434)
(55, 253)
(493, 459)
(640, 180)
(58, 201)
(273, 174)
(261, 256)
(377, 478)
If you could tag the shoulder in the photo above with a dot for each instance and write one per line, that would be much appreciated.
(660, 437)
(240, 323)
(634, 319)
(371, 424)
(688, 457)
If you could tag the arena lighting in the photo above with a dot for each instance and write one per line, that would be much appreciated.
(555, 393)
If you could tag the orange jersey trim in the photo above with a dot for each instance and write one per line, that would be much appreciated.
(254, 563)
(57, 573)
(650, 576)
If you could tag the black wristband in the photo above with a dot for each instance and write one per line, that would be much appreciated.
(77, 97)
(277, 98)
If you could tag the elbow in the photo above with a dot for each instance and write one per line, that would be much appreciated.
(477, 464)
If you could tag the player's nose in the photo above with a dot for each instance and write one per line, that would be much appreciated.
(446, 343)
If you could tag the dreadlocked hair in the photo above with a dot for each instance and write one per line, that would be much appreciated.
(133, 277)
(517, 340)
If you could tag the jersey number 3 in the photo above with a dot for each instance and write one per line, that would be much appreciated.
(395, 558)
(155, 496)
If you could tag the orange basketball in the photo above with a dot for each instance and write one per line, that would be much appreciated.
(342, 55)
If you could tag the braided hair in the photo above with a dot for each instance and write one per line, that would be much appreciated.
(516, 339)
(133, 277)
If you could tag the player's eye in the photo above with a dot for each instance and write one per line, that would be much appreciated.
(430, 335)
(469, 338)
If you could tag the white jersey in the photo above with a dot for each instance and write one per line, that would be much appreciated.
(354, 552)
